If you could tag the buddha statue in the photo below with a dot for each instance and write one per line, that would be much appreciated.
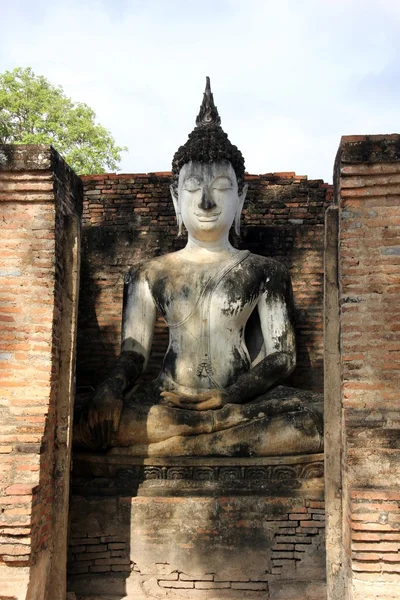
(231, 334)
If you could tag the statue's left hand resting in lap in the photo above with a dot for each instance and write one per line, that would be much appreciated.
(230, 319)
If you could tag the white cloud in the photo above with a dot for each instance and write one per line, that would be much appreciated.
(289, 78)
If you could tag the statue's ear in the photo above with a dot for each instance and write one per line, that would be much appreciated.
(242, 198)
(174, 196)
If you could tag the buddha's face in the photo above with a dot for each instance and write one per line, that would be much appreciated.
(208, 199)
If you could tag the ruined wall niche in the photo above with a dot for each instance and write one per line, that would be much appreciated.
(126, 219)
(40, 223)
(40, 204)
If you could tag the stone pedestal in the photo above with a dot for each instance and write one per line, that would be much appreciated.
(197, 528)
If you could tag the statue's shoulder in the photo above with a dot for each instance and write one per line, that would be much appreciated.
(266, 264)
(272, 275)
(150, 268)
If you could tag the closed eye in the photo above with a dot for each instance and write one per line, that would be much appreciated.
(222, 183)
(222, 187)
(192, 184)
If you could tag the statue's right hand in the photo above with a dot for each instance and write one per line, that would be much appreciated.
(105, 412)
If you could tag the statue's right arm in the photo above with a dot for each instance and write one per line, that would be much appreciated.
(138, 319)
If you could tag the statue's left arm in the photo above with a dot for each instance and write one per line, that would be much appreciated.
(276, 312)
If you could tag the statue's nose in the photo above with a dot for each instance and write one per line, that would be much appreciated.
(206, 203)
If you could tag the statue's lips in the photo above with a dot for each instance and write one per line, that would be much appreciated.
(206, 218)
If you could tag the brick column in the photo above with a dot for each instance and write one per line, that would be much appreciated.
(368, 194)
(40, 206)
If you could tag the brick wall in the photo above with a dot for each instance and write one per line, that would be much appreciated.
(127, 218)
(368, 192)
(98, 554)
(40, 198)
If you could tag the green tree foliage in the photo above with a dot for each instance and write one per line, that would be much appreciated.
(33, 111)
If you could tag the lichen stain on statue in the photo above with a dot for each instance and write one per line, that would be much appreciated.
(230, 319)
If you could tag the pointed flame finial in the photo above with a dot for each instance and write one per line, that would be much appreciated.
(208, 143)
(208, 114)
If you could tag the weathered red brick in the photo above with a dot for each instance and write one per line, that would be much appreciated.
(21, 489)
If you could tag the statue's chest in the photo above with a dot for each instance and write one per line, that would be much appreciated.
(195, 295)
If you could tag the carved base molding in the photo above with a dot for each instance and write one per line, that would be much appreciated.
(114, 475)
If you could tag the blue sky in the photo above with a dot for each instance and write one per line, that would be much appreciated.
(289, 77)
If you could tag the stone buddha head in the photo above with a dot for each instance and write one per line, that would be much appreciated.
(208, 189)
